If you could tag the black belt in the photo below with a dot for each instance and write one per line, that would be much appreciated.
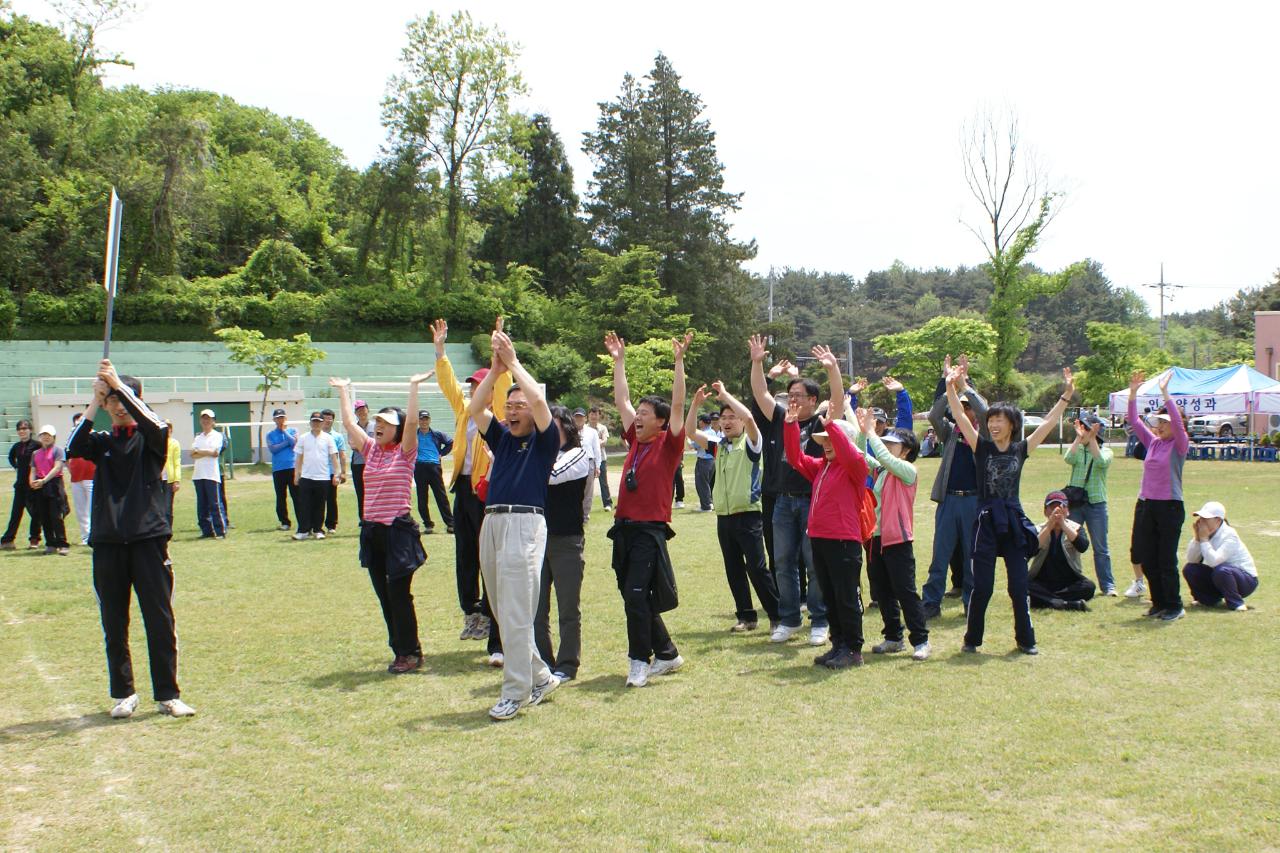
(796, 494)
(502, 509)
(962, 493)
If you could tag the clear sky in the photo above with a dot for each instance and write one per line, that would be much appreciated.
(841, 122)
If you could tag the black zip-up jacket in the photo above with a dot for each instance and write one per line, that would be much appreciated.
(20, 459)
(130, 500)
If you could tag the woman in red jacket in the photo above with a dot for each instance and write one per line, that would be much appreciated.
(835, 529)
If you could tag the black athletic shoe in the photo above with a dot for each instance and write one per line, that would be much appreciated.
(844, 658)
(821, 660)
(1155, 611)
(932, 611)
(1029, 650)
(954, 592)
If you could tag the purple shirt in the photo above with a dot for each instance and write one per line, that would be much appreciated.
(1162, 469)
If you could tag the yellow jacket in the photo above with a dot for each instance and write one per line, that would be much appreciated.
(173, 462)
(457, 398)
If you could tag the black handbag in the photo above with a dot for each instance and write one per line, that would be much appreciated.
(1078, 495)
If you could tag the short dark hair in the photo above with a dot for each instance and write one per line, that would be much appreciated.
(23, 424)
(909, 441)
(75, 418)
(725, 407)
(1010, 412)
(660, 407)
(132, 382)
(594, 408)
(562, 416)
(811, 388)
(400, 426)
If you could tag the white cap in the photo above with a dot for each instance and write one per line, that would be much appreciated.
(208, 412)
(844, 426)
(48, 428)
(390, 417)
(1212, 509)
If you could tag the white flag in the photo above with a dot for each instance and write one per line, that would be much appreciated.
(113, 244)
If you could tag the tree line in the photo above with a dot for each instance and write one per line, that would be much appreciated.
(236, 216)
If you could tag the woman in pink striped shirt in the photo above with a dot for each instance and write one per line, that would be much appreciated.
(390, 542)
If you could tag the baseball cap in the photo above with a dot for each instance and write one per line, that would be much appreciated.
(1090, 420)
(715, 416)
(207, 413)
(328, 413)
(844, 426)
(279, 413)
(579, 413)
(890, 438)
(1056, 497)
(878, 414)
(479, 375)
(360, 404)
(48, 429)
(316, 416)
(704, 418)
(423, 413)
(392, 417)
(1212, 509)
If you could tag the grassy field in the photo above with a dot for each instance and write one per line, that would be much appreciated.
(1121, 734)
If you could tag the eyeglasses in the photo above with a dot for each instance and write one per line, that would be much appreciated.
(517, 406)
(798, 395)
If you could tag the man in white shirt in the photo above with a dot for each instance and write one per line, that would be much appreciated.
(314, 473)
(207, 478)
(594, 422)
(1219, 567)
(590, 446)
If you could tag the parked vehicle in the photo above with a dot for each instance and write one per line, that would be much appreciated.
(1222, 427)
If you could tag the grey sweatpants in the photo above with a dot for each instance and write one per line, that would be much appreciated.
(512, 546)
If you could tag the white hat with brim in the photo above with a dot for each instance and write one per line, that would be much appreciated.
(846, 427)
(48, 429)
(1153, 417)
(389, 417)
(207, 413)
(890, 438)
(1212, 509)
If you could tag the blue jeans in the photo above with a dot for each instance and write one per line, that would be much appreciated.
(1094, 517)
(209, 508)
(953, 522)
(790, 543)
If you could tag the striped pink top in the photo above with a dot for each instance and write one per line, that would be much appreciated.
(388, 482)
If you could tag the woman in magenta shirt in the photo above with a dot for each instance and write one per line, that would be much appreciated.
(1158, 516)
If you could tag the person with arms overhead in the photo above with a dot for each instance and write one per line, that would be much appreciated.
(129, 535)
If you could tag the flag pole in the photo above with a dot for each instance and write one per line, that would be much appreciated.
(110, 266)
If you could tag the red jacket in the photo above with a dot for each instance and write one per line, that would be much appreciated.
(838, 486)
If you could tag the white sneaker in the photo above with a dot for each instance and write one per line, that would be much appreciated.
(819, 635)
(300, 536)
(1242, 608)
(505, 709)
(497, 660)
(541, 691)
(285, 527)
(176, 708)
(1110, 592)
(1136, 589)
(319, 534)
(782, 633)
(639, 675)
(888, 647)
(679, 504)
(662, 667)
(921, 652)
(125, 707)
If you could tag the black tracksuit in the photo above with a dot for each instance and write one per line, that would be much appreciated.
(130, 534)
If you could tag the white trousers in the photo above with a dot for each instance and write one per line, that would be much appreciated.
(82, 497)
(511, 550)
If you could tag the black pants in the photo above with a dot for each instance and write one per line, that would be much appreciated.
(285, 489)
(468, 515)
(209, 508)
(357, 483)
(22, 502)
(742, 546)
(837, 563)
(647, 634)
(49, 501)
(766, 511)
(427, 475)
(1042, 595)
(989, 543)
(679, 484)
(331, 507)
(605, 498)
(143, 568)
(222, 501)
(704, 477)
(891, 572)
(1157, 525)
(312, 495)
(957, 566)
(396, 598)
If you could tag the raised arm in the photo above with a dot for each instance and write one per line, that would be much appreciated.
(679, 347)
(836, 382)
(154, 430)
(739, 409)
(617, 349)
(478, 408)
(691, 419)
(759, 385)
(1181, 441)
(1140, 428)
(904, 413)
(81, 444)
(409, 437)
(1055, 414)
(355, 434)
(955, 381)
(520, 376)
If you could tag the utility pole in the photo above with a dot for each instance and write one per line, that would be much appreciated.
(848, 354)
(1162, 285)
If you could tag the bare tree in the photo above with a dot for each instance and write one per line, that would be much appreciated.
(82, 21)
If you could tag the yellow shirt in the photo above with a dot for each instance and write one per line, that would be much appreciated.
(173, 462)
(457, 399)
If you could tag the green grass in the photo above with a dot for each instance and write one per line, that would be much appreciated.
(1121, 734)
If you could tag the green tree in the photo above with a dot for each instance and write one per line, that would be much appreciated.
(270, 358)
(450, 105)
(1115, 352)
(621, 294)
(920, 352)
(649, 369)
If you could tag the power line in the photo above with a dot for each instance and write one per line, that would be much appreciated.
(1162, 285)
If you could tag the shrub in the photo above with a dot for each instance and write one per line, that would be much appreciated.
(41, 309)
(278, 265)
(295, 310)
(8, 314)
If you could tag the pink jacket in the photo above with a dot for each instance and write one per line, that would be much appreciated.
(838, 486)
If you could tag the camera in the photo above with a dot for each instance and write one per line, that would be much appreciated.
(631, 482)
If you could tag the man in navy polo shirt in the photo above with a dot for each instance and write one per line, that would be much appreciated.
(513, 536)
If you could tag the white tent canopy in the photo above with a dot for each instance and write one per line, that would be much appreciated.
(1225, 391)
